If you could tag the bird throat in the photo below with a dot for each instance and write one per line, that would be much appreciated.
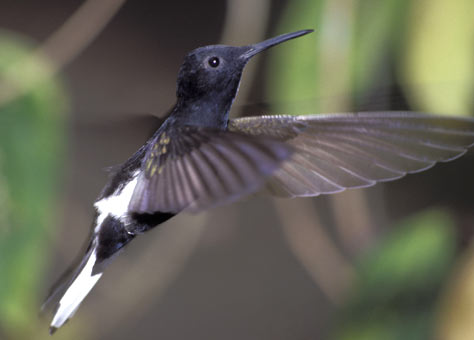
(207, 112)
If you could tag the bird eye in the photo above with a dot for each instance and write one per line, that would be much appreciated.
(214, 62)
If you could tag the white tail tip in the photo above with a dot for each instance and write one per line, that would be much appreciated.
(77, 291)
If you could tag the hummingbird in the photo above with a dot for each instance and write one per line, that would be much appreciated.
(199, 158)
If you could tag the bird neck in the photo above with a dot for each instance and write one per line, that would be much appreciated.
(206, 111)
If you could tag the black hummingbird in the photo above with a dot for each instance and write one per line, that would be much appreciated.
(199, 158)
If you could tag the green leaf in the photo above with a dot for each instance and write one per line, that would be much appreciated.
(31, 153)
(377, 31)
(340, 61)
(399, 281)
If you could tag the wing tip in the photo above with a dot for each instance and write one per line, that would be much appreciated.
(459, 155)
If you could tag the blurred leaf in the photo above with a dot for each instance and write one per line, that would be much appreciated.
(292, 72)
(31, 152)
(439, 58)
(344, 58)
(376, 31)
(399, 282)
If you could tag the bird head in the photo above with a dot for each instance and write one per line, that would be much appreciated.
(212, 73)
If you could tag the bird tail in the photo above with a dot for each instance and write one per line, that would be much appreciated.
(74, 285)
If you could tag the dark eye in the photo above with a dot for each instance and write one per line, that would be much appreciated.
(214, 62)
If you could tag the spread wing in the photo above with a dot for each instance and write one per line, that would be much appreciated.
(195, 168)
(338, 151)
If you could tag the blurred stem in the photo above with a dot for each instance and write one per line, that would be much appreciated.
(82, 27)
(314, 248)
(334, 59)
(246, 22)
(456, 306)
(70, 39)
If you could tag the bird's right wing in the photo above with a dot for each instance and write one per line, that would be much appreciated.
(352, 150)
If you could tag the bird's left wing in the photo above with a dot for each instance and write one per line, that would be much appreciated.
(352, 150)
(195, 168)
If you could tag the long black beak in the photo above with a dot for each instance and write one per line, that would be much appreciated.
(261, 46)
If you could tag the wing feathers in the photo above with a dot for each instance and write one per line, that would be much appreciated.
(196, 168)
(338, 151)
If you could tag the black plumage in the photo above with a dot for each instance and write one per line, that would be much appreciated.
(198, 158)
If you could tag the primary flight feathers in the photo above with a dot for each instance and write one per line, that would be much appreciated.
(334, 152)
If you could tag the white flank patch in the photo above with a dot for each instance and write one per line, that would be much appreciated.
(76, 292)
(115, 205)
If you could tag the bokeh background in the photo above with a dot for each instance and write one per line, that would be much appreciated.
(77, 79)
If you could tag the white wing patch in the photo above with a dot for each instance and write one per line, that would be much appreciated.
(116, 204)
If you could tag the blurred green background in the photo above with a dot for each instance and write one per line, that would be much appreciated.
(390, 262)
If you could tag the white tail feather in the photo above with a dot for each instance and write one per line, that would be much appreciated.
(77, 291)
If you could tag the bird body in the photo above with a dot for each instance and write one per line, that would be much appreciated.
(199, 158)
